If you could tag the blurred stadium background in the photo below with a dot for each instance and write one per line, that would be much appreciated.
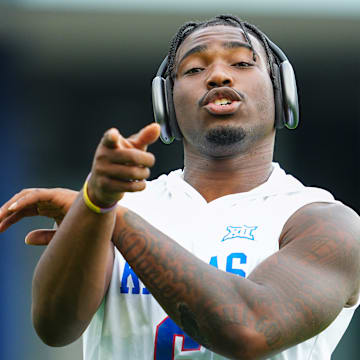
(70, 69)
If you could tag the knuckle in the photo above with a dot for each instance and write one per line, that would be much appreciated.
(137, 173)
(27, 197)
(132, 156)
(24, 191)
(150, 159)
(143, 158)
(107, 185)
(100, 157)
(130, 172)
(136, 186)
(103, 182)
(147, 172)
(98, 170)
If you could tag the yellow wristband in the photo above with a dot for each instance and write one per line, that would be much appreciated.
(90, 204)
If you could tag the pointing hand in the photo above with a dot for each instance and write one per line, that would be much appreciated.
(121, 165)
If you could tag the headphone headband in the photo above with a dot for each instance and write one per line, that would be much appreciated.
(163, 67)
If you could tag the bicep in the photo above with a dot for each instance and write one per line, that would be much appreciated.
(314, 274)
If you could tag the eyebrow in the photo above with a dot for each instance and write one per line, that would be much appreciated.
(226, 45)
(194, 50)
(237, 44)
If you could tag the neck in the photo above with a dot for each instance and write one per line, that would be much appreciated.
(215, 177)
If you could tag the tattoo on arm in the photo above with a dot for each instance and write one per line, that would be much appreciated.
(288, 298)
(190, 325)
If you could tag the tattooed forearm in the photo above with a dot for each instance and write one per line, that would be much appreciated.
(270, 329)
(287, 299)
(155, 261)
(190, 325)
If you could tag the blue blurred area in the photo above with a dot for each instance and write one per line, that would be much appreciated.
(13, 307)
(18, 340)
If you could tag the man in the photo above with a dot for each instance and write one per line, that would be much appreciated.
(290, 254)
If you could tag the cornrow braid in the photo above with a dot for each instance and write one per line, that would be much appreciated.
(229, 20)
(184, 31)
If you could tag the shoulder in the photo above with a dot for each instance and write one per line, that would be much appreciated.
(324, 216)
(331, 231)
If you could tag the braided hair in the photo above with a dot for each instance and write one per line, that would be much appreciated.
(228, 20)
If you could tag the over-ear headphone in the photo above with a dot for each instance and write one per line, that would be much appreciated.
(285, 94)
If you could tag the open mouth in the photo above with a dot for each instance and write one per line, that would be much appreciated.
(222, 108)
(222, 101)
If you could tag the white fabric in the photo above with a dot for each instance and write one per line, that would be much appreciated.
(234, 233)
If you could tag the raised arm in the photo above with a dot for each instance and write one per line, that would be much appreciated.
(72, 275)
(291, 296)
(74, 271)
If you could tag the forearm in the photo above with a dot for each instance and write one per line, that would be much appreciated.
(286, 300)
(70, 279)
(201, 299)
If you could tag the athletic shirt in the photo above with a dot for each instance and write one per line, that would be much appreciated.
(234, 233)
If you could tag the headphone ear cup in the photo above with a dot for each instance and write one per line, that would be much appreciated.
(173, 124)
(289, 94)
(278, 98)
(160, 108)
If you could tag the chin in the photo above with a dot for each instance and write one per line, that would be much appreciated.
(225, 136)
(223, 141)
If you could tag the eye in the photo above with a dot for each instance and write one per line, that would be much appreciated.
(193, 71)
(242, 64)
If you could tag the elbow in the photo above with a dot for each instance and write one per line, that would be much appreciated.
(55, 332)
(240, 343)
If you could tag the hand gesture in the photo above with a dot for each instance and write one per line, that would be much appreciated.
(121, 165)
(52, 203)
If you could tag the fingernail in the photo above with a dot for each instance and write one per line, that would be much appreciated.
(26, 240)
(12, 206)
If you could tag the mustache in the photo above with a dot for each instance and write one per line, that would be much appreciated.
(203, 99)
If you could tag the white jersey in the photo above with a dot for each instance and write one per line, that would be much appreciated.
(233, 233)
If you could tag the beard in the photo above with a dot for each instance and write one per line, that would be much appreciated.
(225, 135)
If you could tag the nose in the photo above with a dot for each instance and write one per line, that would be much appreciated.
(218, 77)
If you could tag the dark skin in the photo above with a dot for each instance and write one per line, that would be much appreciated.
(245, 164)
(287, 299)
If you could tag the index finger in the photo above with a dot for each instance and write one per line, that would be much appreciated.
(24, 199)
(4, 209)
(134, 157)
(113, 139)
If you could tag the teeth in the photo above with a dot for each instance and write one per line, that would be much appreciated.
(223, 101)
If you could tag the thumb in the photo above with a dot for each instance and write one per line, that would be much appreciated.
(146, 136)
(39, 237)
